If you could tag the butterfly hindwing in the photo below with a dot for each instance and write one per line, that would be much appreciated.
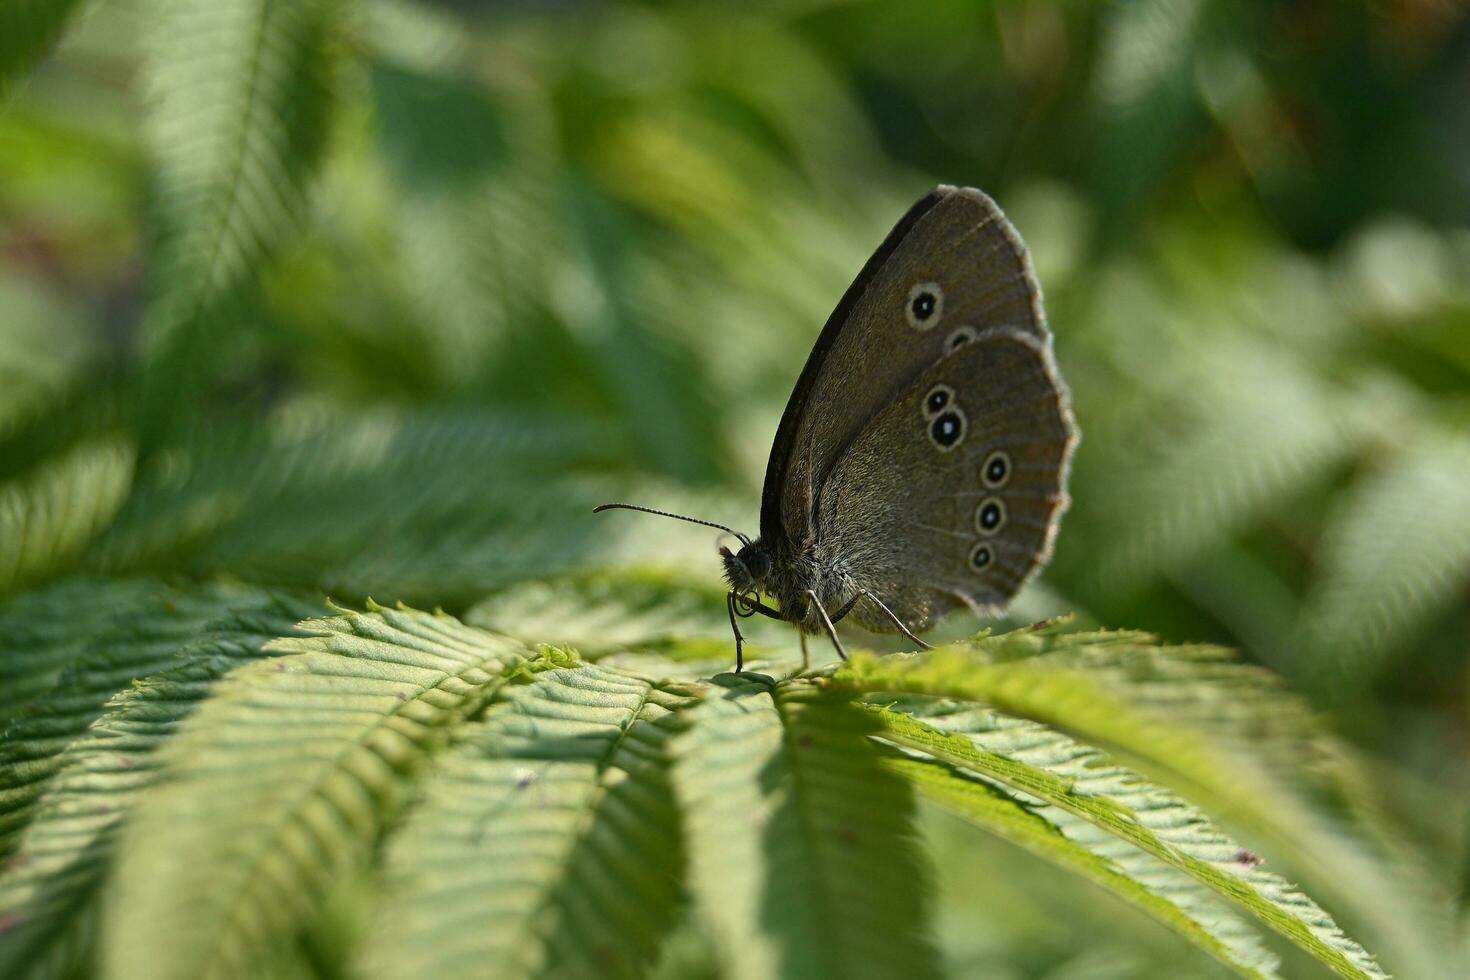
(952, 269)
(951, 494)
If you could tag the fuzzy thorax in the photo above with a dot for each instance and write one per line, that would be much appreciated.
(756, 569)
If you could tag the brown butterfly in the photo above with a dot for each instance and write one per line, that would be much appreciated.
(921, 464)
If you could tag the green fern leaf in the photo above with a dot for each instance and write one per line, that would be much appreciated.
(1125, 871)
(50, 896)
(1148, 96)
(641, 611)
(282, 781)
(1208, 689)
(468, 497)
(237, 110)
(1396, 552)
(47, 629)
(801, 856)
(167, 630)
(1226, 775)
(1197, 912)
(546, 842)
(49, 515)
(474, 170)
(1208, 856)
(1071, 701)
(28, 29)
(1251, 429)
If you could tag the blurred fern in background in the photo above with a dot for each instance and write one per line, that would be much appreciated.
(376, 299)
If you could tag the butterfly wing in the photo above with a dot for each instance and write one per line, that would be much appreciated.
(951, 269)
(952, 493)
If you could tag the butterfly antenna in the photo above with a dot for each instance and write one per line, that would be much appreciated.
(678, 517)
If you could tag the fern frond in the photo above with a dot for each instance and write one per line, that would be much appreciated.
(1086, 770)
(28, 29)
(473, 207)
(282, 781)
(51, 892)
(47, 629)
(237, 96)
(1147, 93)
(1233, 778)
(227, 484)
(1132, 875)
(1196, 847)
(1208, 689)
(50, 514)
(1395, 552)
(634, 611)
(471, 500)
(800, 850)
(653, 381)
(1071, 701)
(166, 630)
(1250, 429)
(546, 842)
(238, 99)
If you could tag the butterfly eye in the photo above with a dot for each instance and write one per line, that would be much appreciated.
(947, 429)
(938, 397)
(925, 305)
(990, 515)
(997, 469)
(980, 557)
(959, 338)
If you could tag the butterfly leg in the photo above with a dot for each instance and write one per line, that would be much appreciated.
(902, 627)
(846, 607)
(735, 628)
(740, 605)
(827, 622)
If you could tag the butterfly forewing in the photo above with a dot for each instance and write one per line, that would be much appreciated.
(950, 495)
(950, 270)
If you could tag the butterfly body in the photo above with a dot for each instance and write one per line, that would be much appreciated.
(921, 464)
(790, 579)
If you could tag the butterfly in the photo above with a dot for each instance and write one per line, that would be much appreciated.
(921, 464)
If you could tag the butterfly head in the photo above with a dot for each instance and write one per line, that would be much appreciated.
(747, 568)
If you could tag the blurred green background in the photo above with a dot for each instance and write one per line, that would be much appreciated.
(390, 319)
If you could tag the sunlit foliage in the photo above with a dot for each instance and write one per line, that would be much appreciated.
(375, 299)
